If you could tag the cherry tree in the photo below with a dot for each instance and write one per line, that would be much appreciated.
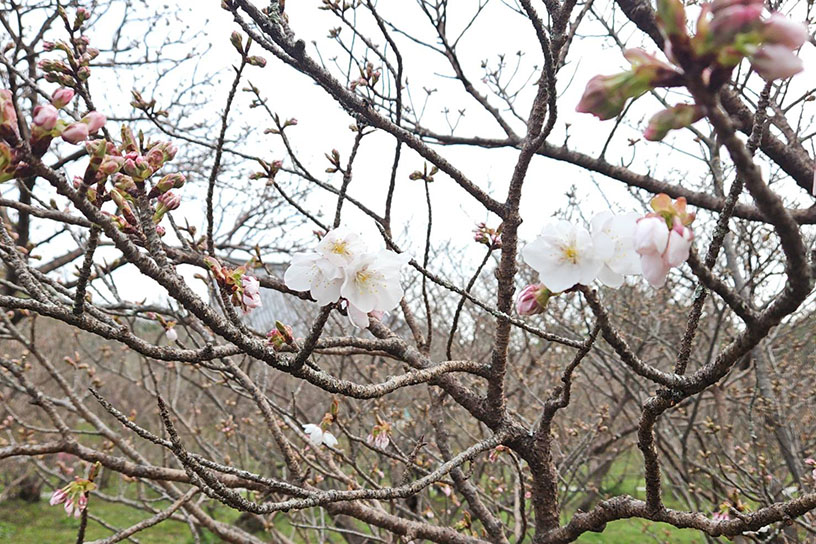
(202, 313)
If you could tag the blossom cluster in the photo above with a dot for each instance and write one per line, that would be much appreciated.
(615, 246)
(380, 435)
(342, 266)
(129, 166)
(318, 436)
(244, 290)
(78, 54)
(727, 31)
(44, 127)
(74, 496)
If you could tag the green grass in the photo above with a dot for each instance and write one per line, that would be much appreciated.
(630, 531)
(41, 523)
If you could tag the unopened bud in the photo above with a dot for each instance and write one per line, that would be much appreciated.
(62, 97)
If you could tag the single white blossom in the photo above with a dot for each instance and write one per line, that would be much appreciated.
(372, 283)
(616, 232)
(565, 254)
(318, 436)
(171, 334)
(314, 273)
(340, 246)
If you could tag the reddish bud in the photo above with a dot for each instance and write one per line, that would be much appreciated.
(679, 116)
(773, 61)
(45, 117)
(75, 133)
(62, 97)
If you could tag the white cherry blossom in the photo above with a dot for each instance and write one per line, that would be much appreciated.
(314, 273)
(616, 232)
(340, 246)
(565, 254)
(372, 283)
(318, 436)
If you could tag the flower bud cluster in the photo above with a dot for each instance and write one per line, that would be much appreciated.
(244, 290)
(727, 31)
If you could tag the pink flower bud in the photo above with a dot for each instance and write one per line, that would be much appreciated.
(111, 164)
(48, 46)
(45, 117)
(155, 158)
(773, 61)
(94, 120)
(236, 40)
(278, 339)
(605, 96)
(170, 200)
(736, 19)
(679, 116)
(82, 502)
(62, 97)
(783, 31)
(75, 133)
(58, 497)
(8, 116)
(257, 61)
(532, 300)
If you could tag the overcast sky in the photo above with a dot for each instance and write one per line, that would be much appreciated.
(323, 125)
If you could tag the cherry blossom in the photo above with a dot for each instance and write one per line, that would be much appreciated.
(340, 246)
(616, 232)
(565, 254)
(318, 436)
(252, 293)
(343, 267)
(314, 273)
(372, 283)
(62, 97)
(663, 238)
(74, 496)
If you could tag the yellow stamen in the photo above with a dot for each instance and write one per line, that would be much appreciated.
(571, 254)
(340, 248)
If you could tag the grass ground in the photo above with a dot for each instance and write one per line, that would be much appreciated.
(24, 523)
(40, 523)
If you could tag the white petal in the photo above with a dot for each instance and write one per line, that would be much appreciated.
(326, 291)
(677, 250)
(610, 278)
(651, 236)
(315, 433)
(654, 269)
(559, 278)
(329, 439)
(357, 317)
